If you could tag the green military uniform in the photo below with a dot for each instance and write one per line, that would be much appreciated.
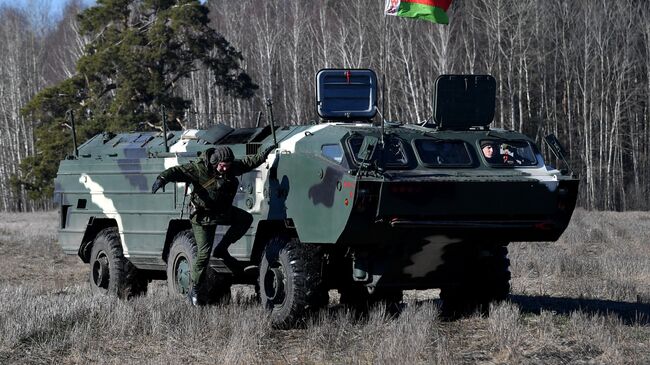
(212, 197)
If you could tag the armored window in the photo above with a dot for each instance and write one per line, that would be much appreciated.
(394, 152)
(333, 152)
(368, 149)
(500, 153)
(355, 144)
(435, 153)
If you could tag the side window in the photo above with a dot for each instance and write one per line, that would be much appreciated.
(395, 151)
(355, 146)
(333, 152)
(443, 153)
(508, 153)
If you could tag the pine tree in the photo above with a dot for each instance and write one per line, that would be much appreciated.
(139, 50)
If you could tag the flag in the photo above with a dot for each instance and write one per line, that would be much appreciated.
(432, 10)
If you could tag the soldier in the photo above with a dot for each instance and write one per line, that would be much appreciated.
(509, 156)
(487, 147)
(214, 185)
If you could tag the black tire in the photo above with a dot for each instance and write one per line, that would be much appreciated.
(110, 272)
(215, 288)
(485, 279)
(290, 281)
(357, 298)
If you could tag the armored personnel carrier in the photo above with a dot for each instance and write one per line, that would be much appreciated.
(367, 208)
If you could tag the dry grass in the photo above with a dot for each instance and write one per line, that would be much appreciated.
(584, 299)
(602, 255)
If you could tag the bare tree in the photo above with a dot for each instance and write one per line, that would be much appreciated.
(562, 67)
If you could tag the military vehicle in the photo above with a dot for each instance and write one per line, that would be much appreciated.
(366, 207)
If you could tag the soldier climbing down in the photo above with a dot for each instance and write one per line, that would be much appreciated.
(214, 185)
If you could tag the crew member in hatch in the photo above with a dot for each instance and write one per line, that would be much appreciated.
(487, 147)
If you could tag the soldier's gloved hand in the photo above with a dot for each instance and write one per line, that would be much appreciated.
(159, 183)
(270, 149)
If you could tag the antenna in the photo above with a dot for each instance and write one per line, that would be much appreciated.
(74, 133)
(259, 118)
(383, 122)
(164, 120)
(269, 106)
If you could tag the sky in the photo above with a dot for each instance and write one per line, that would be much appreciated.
(58, 5)
(55, 6)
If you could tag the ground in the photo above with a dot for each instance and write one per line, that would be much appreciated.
(583, 299)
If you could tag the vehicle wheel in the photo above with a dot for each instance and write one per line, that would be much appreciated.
(290, 282)
(486, 278)
(357, 298)
(215, 288)
(110, 272)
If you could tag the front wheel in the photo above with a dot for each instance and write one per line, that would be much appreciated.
(182, 255)
(110, 272)
(290, 282)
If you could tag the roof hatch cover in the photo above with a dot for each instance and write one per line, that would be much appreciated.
(346, 95)
(464, 101)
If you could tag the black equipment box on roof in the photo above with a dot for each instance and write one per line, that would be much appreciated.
(464, 101)
(349, 95)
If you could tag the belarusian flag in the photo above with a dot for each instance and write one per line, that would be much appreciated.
(432, 10)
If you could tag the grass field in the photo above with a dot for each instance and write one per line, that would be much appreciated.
(583, 299)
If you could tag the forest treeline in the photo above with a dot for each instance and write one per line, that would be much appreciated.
(578, 69)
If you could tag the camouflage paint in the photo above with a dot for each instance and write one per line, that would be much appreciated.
(296, 181)
(402, 220)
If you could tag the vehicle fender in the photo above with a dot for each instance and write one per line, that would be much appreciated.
(95, 225)
(267, 229)
(174, 227)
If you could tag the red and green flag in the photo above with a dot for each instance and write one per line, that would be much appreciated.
(432, 10)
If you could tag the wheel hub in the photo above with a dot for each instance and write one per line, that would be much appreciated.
(101, 273)
(274, 284)
(182, 275)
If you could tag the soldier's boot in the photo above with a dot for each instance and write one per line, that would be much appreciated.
(193, 297)
(221, 252)
(251, 271)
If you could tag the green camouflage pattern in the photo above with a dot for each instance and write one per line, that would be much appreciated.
(322, 185)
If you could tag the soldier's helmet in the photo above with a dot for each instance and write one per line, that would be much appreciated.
(487, 144)
(221, 154)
